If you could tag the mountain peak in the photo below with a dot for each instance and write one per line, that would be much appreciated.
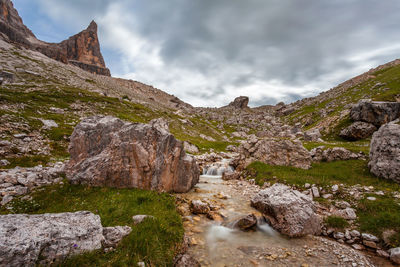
(92, 26)
(82, 49)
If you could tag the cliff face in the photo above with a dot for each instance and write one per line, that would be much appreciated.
(82, 49)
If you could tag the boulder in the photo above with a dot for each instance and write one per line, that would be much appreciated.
(186, 260)
(385, 152)
(395, 255)
(332, 154)
(289, 211)
(105, 151)
(274, 152)
(358, 130)
(246, 222)
(199, 207)
(313, 135)
(114, 235)
(240, 102)
(226, 176)
(25, 239)
(377, 113)
(190, 148)
(347, 213)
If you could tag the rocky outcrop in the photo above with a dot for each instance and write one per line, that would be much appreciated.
(358, 130)
(21, 181)
(27, 240)
(385, 152)
(273, 152)
(319, 154)
(377, 113)
(313, 135)
(240, 102)
(105, 151)
(289, 211)
(81, 50)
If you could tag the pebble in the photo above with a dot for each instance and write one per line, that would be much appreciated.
(371, 198)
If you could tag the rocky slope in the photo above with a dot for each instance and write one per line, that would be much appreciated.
(330, 110)
(82, 49)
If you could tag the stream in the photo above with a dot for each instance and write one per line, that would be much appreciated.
(218, 243)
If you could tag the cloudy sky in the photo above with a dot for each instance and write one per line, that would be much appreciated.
(207, 52)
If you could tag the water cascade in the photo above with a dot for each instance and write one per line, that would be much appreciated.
(218, 168)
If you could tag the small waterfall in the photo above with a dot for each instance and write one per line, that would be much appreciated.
(218, 168)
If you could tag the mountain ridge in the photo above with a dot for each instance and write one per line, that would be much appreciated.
(82, 49)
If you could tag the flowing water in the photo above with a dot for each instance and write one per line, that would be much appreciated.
(219, 244)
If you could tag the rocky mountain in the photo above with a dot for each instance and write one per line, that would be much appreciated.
(82, 49)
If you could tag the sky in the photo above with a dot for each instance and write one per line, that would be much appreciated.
(207, 52)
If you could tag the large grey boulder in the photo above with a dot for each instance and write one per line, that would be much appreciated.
(358, 130)
(106, 151)
(385, 152)
(25, 239)
(281, 152)
(377, 113)
(289, 211)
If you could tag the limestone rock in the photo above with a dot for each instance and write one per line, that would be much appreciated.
(137, 219)
(385, 152)
(199, 207)
(230, 176)
(289, 211)
(246, 222)
(114, 235)
(347, 213)
(319, 154)
(357, 131)
(312, 135)
(395, 255)
(240, 102)
(377, 113)
(274, 152)
(24, 239)
(190, 148)
(106, 151)
(186, 260)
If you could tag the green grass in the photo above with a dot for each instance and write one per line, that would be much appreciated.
(349, 172)
(27, 161)
(154, 241)
(336, 222)
(356, 147)
(377, 216)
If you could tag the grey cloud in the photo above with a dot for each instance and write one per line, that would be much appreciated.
(236, 42)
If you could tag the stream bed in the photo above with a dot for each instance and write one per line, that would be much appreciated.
(217, 243)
